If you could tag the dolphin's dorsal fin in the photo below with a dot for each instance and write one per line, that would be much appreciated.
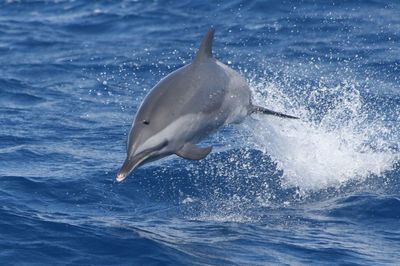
(192, 152)
(205, 50)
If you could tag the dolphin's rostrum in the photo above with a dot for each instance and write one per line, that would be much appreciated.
(185, 107)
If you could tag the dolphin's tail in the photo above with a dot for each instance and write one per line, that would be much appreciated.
(259, 109)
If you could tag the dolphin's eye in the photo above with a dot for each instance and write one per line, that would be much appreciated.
(146, 122)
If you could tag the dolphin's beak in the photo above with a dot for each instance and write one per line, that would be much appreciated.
(133, 162)
(130, 164)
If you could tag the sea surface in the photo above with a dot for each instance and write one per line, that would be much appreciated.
(321, 190)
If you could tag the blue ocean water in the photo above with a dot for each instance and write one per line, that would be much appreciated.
(324, 190)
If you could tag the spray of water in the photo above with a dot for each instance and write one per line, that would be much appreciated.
(338, 138)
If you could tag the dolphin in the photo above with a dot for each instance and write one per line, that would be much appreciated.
(185, 107)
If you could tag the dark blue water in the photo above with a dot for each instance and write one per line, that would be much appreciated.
(325, 190)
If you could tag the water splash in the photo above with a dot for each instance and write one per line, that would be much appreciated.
(338, 138)
(339, 146)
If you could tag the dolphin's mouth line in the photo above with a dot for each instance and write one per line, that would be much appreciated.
(131, 164)
(121, 176)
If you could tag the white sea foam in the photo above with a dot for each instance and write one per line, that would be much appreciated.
(328, 146)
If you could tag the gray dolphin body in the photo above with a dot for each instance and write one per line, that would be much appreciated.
(185, 107)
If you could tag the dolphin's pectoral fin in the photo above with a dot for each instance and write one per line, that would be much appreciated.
(259, 109)
(192, 152)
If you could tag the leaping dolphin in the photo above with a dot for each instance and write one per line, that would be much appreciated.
(187, 106)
